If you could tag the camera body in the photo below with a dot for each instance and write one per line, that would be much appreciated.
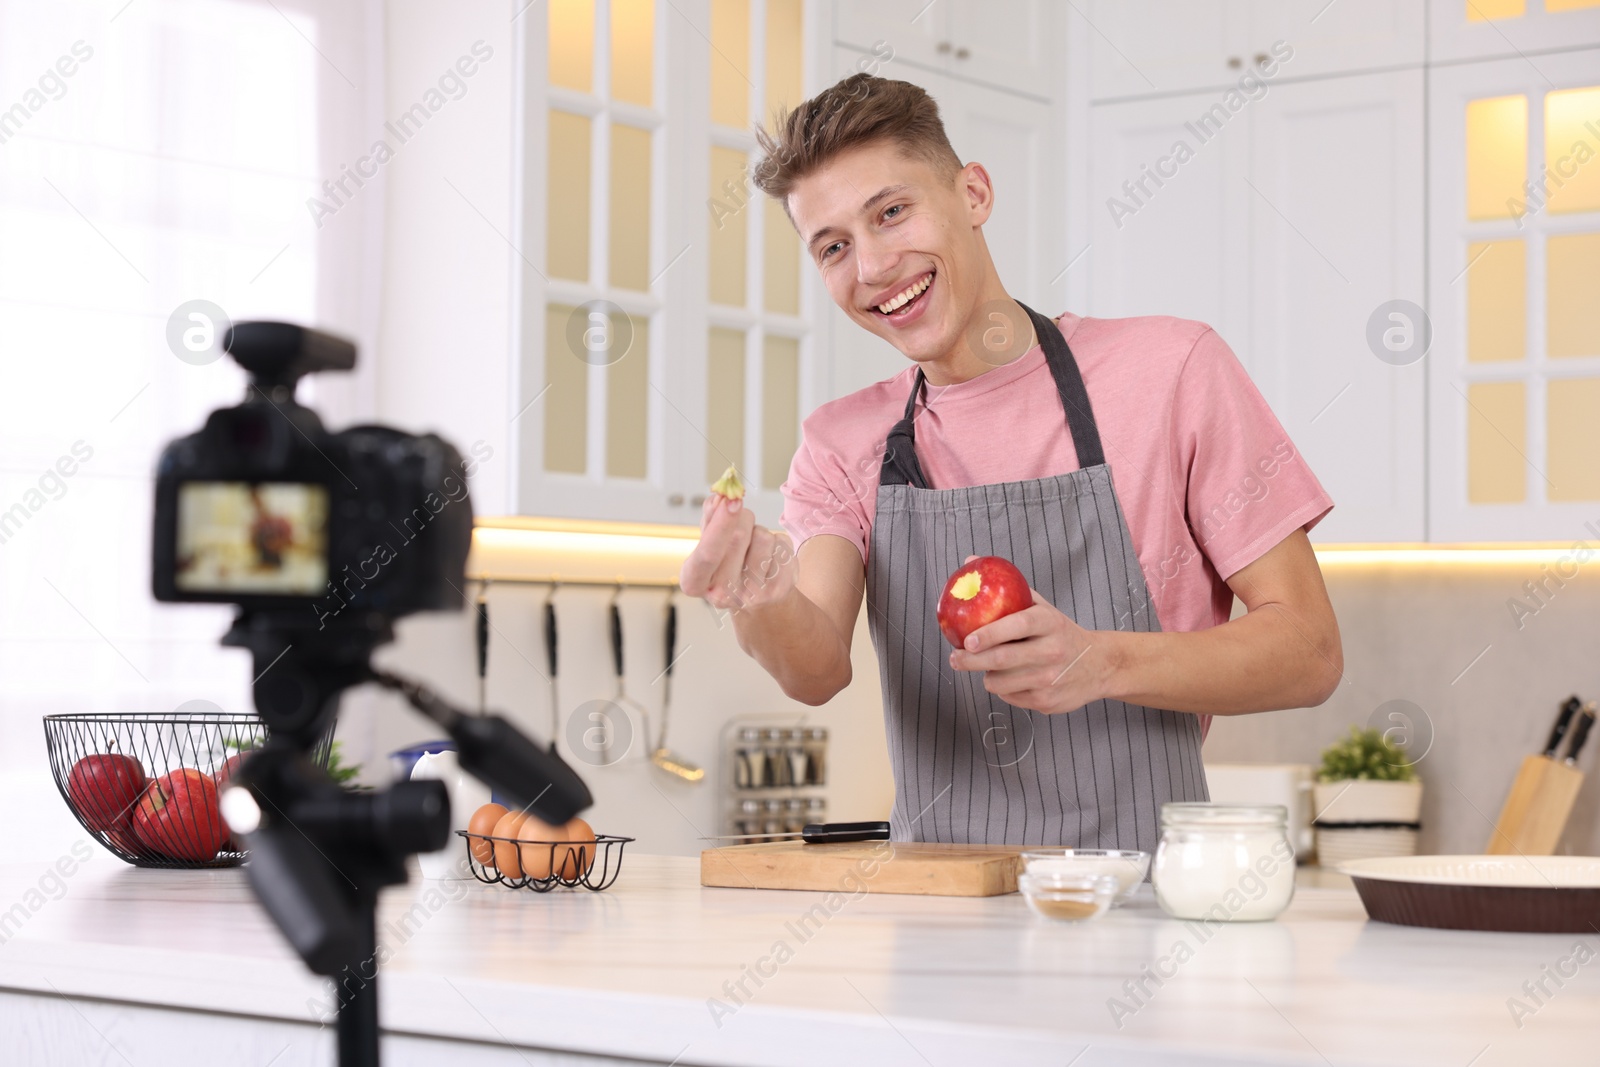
(266, 509)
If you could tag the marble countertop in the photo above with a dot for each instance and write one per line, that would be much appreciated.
(651, 968)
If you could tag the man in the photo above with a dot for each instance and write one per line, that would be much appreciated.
(1128, 467)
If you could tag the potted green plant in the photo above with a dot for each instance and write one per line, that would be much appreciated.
(1367, 800)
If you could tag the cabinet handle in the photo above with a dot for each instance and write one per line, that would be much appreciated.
(963, 53)
(942, 47)
(1234, 62)
(698, 499)
(1260, 59)
(675, 500)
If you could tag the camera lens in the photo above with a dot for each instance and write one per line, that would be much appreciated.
(413, 816)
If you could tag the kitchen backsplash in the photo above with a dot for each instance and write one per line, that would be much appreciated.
(1488, 679)
(1441, 637)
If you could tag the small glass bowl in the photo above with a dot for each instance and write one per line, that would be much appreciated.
(1127, 866)
(1067, 897)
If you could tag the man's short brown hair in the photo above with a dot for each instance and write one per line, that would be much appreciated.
(859, 110)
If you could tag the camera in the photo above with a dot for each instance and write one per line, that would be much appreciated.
(266, 509)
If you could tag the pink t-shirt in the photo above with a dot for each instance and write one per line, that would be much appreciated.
(1206, 476)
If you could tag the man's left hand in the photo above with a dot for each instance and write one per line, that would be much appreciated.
(1037, 658)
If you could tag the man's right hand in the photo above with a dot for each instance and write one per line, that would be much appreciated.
(738, 564)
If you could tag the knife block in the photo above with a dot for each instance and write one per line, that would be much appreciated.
(1536, 809)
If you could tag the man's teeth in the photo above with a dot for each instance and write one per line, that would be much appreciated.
(909, 294)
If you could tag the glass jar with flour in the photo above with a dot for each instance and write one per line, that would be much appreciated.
(1223, 862)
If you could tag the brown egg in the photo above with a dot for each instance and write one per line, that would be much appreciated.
(505, 853)
(581, 852)
(482, 822)
(539, 858)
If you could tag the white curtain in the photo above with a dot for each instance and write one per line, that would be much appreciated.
(152, 153)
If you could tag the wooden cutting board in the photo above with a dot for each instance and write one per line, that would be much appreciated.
(924, 868)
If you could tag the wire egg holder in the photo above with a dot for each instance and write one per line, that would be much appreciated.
(593, 864)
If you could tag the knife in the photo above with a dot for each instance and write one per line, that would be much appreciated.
(1563, 720)
(819, 833)
(1580, 734)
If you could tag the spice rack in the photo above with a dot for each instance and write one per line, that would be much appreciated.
(774, 775)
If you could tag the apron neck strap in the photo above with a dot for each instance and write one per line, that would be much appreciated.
(900, 464)
(1070, 388)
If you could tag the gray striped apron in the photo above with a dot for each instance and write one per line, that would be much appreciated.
(967, 766)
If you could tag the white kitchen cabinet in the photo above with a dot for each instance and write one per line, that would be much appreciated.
(1284, 228)
(1514, 380)
(1489, 29)
(914, 29)
(1340, 37)
(1147, 47)
(1011, 135)
(1179, 247)
(1151, 47)
(1336, 206)
(1345, 186)
(1009, 44)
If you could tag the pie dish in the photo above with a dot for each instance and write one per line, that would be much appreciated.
(1521, 894)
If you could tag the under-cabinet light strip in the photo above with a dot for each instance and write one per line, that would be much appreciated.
(652, 553)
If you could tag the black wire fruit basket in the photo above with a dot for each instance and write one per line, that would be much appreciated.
(146, 785)
(544, 865)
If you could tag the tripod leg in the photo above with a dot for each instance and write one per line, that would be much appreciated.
(358, 996)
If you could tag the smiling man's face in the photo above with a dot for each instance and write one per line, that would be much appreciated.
(899, 245)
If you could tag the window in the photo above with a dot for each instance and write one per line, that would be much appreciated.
(151, 155)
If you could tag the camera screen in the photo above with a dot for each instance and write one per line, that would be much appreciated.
(239, 537)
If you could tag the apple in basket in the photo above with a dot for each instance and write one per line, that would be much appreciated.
(178, 817)
(103, 789)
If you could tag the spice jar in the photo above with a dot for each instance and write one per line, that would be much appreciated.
(1223, 862)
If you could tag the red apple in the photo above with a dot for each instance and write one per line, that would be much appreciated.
(979, 592)
(178, 817)
(104, 788)
(229, 768)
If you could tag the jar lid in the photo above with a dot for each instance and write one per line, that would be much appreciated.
(1191, 815)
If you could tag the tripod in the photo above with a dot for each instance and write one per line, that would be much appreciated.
(320, 854)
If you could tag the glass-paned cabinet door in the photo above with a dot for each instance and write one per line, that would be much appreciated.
(593, 399)
(759, 341)
(665, 314)
(1491, 29)
(1515, 250)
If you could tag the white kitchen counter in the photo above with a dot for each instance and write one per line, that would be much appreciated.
(126, 960)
